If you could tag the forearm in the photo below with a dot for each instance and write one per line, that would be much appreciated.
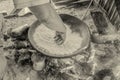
(47, 15)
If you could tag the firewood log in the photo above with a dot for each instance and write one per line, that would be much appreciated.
(101, 39)
(17, 32)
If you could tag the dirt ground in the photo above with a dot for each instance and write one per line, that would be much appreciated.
(104, 57)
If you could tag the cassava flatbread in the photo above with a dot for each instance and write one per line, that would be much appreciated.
(44, 39)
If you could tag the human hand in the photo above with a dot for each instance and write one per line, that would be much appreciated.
(60, 37)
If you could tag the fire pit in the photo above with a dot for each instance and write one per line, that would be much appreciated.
(78, 37)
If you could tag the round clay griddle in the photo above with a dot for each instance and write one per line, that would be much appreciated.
(74, 24)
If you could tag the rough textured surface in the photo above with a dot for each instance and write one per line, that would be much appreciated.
(44, 38)
(99, 62)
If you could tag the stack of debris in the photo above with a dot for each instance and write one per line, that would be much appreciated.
(25, 63)
(21, 55)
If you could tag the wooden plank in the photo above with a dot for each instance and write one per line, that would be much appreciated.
(112, 6)
(1, 26)
(116, 15)
(113, 20)
(81, 1)
(113, 13)
(107, 6)
(105, 3)
(61, 1)
(67, 2)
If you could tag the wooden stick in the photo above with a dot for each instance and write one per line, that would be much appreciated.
(17, 32)
(101, 39)
(1, 27)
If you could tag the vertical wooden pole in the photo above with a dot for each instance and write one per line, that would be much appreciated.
(1, 26)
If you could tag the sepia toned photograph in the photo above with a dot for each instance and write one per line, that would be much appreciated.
(59, 39)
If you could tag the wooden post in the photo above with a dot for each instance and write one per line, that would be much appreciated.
(1, 27)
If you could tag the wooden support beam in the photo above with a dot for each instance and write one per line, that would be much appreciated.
(1, 27)
(67, 3)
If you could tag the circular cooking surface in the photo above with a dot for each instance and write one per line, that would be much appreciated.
(42, 39)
